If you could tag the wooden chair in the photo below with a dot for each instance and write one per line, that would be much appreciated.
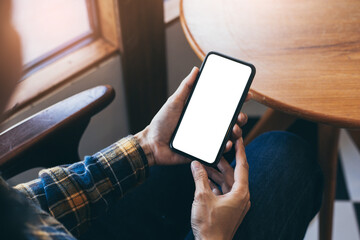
(51, 137)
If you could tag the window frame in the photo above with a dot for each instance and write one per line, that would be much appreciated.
(70, 65)
(171, 10)
(67, 47)
(67, 67)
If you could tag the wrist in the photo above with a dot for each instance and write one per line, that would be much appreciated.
(212, 237)
(211, 234)
(145, 144)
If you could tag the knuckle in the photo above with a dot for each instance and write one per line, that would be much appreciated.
(243, 118)
(246, 165)
(247, 197)
(187, 85)
(201, 196)
(171, 100)
(216, 191)
(246, 207)
(201, 174)
(243, 196)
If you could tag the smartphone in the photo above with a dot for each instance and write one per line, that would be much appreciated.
(212, 107)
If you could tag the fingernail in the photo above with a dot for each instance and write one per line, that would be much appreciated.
(195, 165)
(193, 69)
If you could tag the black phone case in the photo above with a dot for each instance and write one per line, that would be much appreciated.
(233, 121)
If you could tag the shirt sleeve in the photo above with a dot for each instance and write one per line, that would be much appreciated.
(80, 192)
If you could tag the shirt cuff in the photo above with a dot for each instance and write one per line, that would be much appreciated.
(127, 148)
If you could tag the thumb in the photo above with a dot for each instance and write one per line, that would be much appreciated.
(186, 85)
(200, 177)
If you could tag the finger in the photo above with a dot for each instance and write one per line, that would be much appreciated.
(200, 177)
(242, 119)
(186, 85)
(241, 172)
(214, 175)
(227, 175)
(214, 188)
(178, 159)
(236, 133)
(225, 181)
(228, 146)
(225, 167)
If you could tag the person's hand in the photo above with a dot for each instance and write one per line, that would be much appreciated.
(217, 214)
(155, 138)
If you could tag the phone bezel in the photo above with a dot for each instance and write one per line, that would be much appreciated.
(233, 121)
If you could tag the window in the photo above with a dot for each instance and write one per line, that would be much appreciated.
(171, 10)
(64, 38)
(51, 29)
(61, 39)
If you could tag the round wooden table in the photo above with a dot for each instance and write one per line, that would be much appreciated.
(307, 57)
(306, 53)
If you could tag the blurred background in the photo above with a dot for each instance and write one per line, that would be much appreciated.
(72, 45)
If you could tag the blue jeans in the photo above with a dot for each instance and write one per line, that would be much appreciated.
(285, 190)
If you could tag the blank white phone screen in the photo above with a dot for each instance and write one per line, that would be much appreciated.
(211, 107)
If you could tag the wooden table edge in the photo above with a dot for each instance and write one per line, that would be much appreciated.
(270, 102)
(195, 47)
(305, 114)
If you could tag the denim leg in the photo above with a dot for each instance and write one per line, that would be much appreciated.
(285, 184)
(285, 187)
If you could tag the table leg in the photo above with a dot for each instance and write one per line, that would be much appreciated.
(328, 141)
(271, 120)
(355, 134)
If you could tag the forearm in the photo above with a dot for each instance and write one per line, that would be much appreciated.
(80, 192)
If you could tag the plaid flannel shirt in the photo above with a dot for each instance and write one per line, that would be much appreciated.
(67, 198)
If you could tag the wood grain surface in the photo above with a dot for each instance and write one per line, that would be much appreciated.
(307, 53)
